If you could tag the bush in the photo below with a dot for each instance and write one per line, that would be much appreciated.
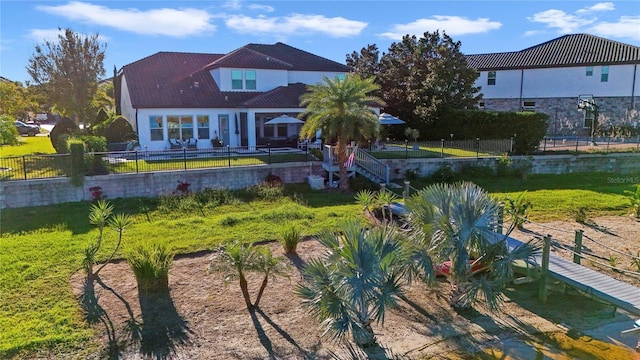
(475, 171)
(76, 149)
(150, 263)
(268, 191)
(8, 132)
(290, 237)
(443, 175)
(119, 130)
(529, 128)
(93, 143)
(60, 133)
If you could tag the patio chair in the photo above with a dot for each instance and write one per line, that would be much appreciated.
(192, 143)
(175, 144)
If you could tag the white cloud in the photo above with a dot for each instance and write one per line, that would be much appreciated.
(452, 25)
(626, 27)
(44, 35)
(565, 23)
(260, 7)
(607, 6)
(295, 24)
(164, 21)
(232, 4)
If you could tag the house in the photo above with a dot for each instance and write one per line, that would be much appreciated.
(210, 99)
(573, 79)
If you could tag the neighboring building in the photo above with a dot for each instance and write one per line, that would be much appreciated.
(169, 96)
(550, 77)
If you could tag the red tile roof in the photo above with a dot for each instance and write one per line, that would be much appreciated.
(182, 80)
(565, 51)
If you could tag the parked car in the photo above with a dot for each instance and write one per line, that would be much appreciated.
(27, 129)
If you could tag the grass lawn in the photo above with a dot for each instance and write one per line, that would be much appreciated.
(32, 145)
(41, 247)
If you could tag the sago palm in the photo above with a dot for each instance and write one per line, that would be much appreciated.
(356, 281)
(342, 110)
(455, 224)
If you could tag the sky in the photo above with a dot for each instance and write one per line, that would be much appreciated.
(133, 30)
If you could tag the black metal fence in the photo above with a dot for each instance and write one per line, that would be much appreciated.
(441, 148)
(586, 143)
(60, 165)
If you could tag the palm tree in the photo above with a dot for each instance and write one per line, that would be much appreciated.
(342, 110)
(356, 282)
(455, 224)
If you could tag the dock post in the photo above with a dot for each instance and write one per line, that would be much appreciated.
(577, 249)
(542, 294)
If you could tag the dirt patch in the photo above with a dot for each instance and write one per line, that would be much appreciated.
(203, 317)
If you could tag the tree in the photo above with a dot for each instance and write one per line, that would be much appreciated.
(17, 101)
(455, 225)
(341, 109)
(359, 278)
(68, 70)
(8, 132)
(420, 78)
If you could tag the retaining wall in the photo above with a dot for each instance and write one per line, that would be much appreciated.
(53, 191)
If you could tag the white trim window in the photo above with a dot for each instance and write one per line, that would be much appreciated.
(236, 79)
(180, 127)
(604, 74)
(203, 126)
(491, 78)
(589, 71)
(243, 80)
(156, 128)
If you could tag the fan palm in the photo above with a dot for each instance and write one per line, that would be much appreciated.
(455, 223)
(342, 110)
(356, 282)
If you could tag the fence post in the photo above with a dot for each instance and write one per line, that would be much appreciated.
(542, 293)
(577, 142)
(511, 146)
(477, 148)
(405, 193)
(229, 154)
(638, 143)
(608, 141)
(306, 153)
(137, 162)
(24, 167)
(184, 158)
(544, 146)
(577, 249)
(269, 157)
(406, 148)
(441, 148)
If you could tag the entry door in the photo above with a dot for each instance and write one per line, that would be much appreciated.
(244, 134)
(223, 125)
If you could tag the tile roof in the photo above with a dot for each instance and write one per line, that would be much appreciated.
(182, 80)
(565, 51)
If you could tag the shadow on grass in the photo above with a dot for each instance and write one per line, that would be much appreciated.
(94, 314)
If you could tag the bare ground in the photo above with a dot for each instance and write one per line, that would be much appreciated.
(204, 318)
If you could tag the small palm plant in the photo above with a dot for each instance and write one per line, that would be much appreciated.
(367, 199)
(454, 223)
(354, 285)
(238, 259)
(290, 237)
(634, 199)
(384, 199)
(150, 262)
(518, 209)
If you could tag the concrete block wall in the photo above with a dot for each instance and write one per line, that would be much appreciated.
(40, 192)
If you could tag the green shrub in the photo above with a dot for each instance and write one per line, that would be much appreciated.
(95, 165)
(268, 191)
(60, 133)
(76, 149)
(216, 197)
(119, 130)
(290, 237)
(94, 143)
(150, 263)
(443, 175)
(529, 128)
(474, 171)
(8, 132)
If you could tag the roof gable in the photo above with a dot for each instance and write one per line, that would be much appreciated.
(568, 50)
(299, 59)
(248, 58)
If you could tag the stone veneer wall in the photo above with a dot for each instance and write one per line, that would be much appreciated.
(53, 191)
(564, 116)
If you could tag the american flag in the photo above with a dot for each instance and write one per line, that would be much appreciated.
(350, 159)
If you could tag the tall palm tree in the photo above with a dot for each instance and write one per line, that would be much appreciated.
(356, 282)
(342, 110)
(455, 224)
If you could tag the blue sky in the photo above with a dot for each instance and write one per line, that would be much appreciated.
(330, 28)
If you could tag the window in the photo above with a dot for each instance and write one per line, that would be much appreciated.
(491, 78)
(604, 75)
(340, 77)
(589, 71)
(203, 126)
(250, 79)
(236, 79)
(155, 124)
(481, 105)
(180, 127)
(529, 104)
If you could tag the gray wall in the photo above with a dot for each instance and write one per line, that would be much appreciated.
(52, 191)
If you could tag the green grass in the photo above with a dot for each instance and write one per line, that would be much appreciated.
(42, 247)
(29, 146)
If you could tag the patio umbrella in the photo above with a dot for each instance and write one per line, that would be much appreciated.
(284, 119)
(386, 119)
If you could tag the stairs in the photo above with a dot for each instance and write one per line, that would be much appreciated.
(359, 162)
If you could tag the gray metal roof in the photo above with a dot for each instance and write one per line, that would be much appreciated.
(565, 51)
